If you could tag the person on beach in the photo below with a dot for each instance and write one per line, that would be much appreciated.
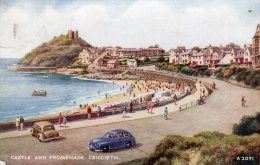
(60, 119)
(89, 111)
(17, 123)
(244, 101)
(21, 122)
(64, 120)
(165, 115)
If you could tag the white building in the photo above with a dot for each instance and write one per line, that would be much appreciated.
(131, 63)
(174, 55)
(88, 55)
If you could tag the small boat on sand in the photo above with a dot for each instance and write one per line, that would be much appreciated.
(39, 93)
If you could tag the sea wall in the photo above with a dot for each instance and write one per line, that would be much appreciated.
(81, 116)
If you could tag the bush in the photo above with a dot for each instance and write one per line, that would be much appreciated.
(212, 148)
(248, 125)
(187, 70)
(160, 59)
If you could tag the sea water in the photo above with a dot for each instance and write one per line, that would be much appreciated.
(63, 92)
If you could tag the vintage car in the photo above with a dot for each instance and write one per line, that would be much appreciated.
(44, 131)
(112, 140)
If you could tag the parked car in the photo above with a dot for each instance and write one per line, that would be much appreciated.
(112, 140)
(44, 131)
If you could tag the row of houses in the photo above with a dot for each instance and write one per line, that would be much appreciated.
(212, 55)
(219, 55)
(109, 56)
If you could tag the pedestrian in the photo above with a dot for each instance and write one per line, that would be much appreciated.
(21, 122)
(242, 101)
(124, 111)
(89, 111)
(175, 99)
(165, 113)
(148, 107)
(64, 120)
(17, 123)
(151, 107)
(60, 119)
(99, 111)
(131, 107)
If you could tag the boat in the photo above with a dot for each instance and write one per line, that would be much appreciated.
(45, 75)
(39, 93)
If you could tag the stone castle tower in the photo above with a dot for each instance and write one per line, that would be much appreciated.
(73, 34)
(256, 47)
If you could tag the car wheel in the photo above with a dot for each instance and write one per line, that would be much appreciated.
(128, 144)
(105, 148)
(41, 137)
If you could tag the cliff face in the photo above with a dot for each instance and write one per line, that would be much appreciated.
(58, 52)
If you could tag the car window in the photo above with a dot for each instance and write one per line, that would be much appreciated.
(116, 135)
(126, 134)
(48, 128)
(37, 127)
(121, 135)
(109, 135)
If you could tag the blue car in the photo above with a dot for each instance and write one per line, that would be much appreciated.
(112, 140)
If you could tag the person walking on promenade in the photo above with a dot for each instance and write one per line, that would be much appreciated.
(213, 85)
(64, 120)
(151, 107)
(89, 111)
(131, 107)
(60, 119)
(243, 101)
(21, 122)
(148, 107)
(165, 115)
(17, 123)
(175, 99)
(99, 111)
(124, 111)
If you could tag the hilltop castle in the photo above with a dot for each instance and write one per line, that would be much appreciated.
(73, 34)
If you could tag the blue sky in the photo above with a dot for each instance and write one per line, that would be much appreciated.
(127, 23)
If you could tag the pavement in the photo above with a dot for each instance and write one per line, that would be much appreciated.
(222, 109)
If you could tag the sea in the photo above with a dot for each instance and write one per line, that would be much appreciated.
(64, 92)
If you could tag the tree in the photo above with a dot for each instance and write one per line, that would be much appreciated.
(160, 59)
(198, 49)
(146, 59)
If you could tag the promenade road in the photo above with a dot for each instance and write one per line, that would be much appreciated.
(222, 110)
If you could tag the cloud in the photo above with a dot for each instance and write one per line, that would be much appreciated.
(137, 24)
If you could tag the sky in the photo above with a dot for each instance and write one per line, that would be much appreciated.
(127, 23)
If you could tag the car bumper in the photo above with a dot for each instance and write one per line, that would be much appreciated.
(58, 137)
(92, 148)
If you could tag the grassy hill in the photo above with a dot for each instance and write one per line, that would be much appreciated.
(205, 148)
(60, 51)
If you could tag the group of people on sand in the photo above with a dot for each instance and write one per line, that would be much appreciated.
(19, 122)
(62, 120)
